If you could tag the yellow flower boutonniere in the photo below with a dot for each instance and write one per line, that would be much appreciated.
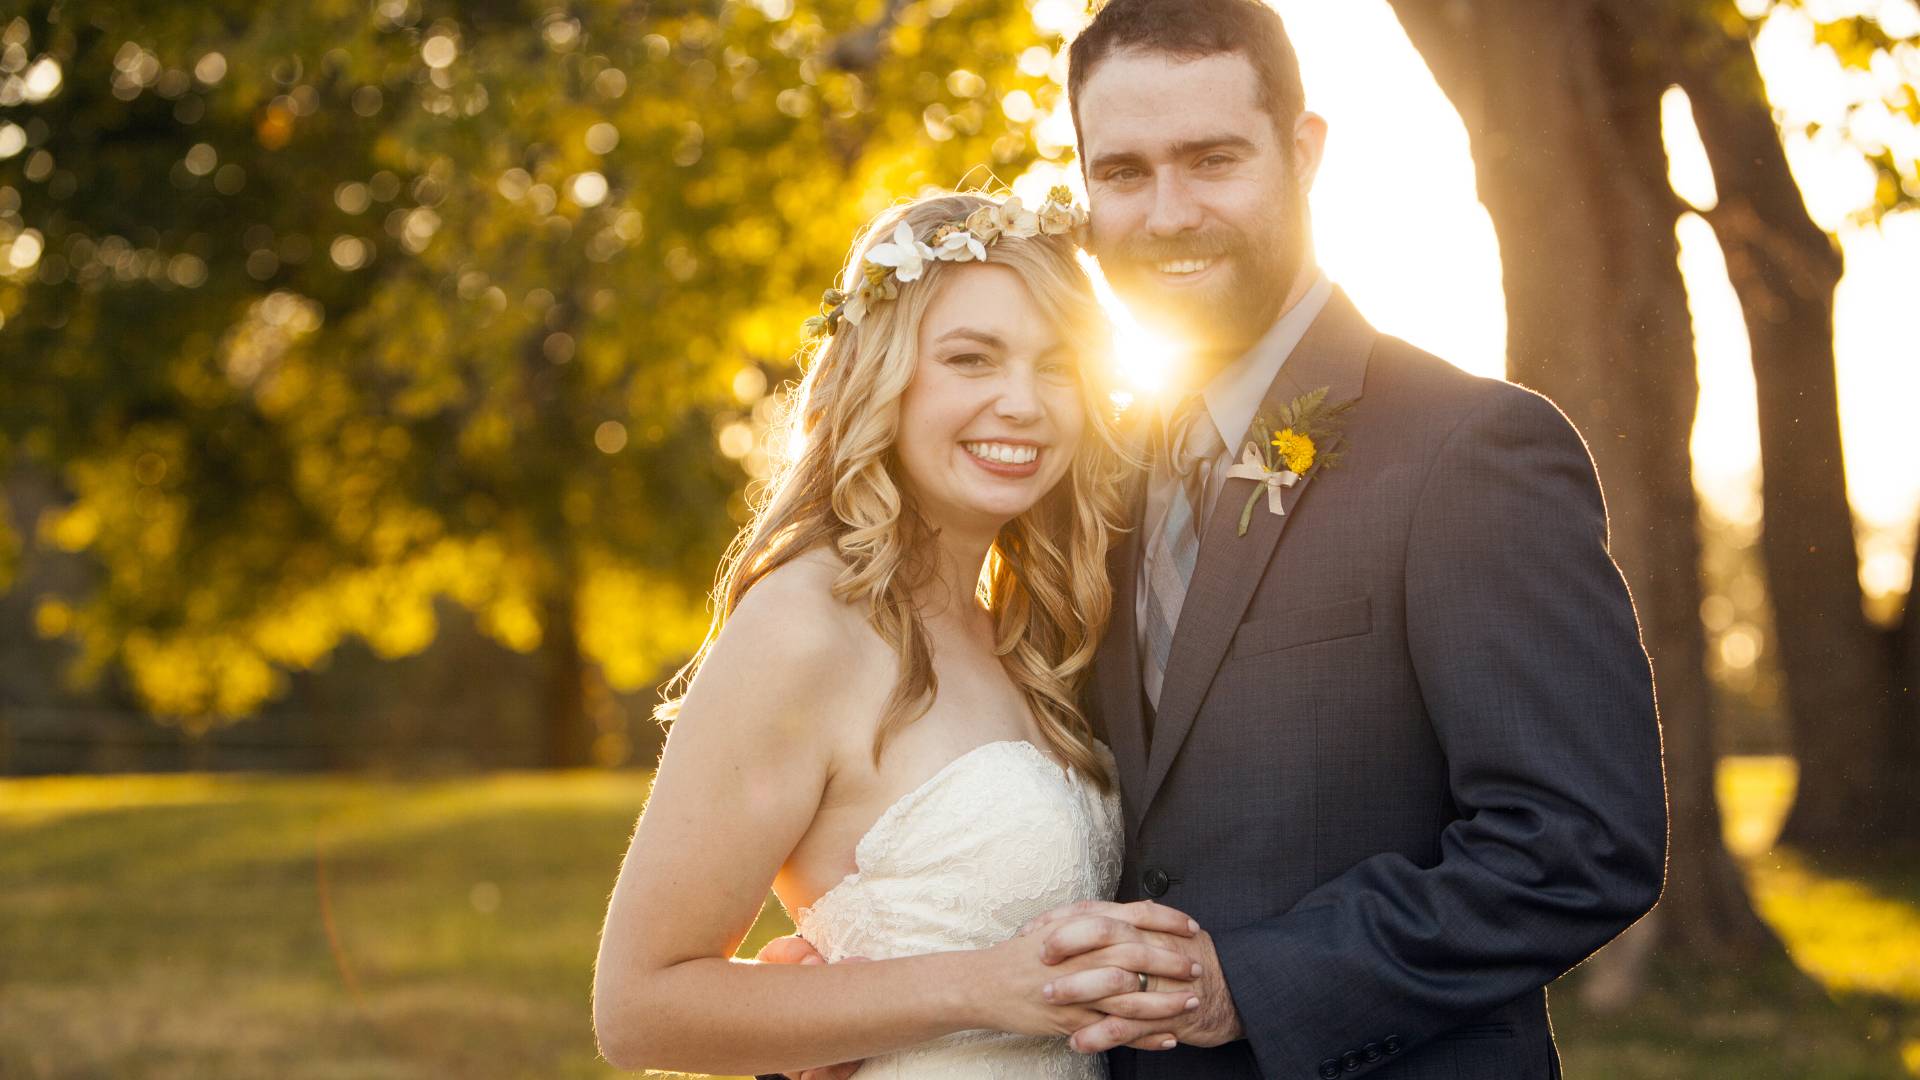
(1277, 455)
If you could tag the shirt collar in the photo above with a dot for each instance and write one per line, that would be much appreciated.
(1233, 396)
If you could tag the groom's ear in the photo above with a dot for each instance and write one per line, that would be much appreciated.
(1309, 143)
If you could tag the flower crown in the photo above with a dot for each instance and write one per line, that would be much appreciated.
(904, 258)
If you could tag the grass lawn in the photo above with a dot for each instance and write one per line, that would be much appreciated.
(254, 926)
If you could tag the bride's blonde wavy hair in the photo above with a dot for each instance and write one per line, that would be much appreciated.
(1045, 581)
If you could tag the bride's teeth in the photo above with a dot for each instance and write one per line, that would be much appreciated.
(1002, 453)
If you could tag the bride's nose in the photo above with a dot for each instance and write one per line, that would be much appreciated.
(1019, 398)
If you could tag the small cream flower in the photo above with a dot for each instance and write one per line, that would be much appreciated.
(905, 255)
(1057, 219)
(959, 245)
(877, 285)
(856, 307)
(1015, 219)
(984, 224)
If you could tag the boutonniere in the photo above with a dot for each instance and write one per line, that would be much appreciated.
(1281, 450)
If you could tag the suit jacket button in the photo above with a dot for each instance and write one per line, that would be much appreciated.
(1154, 881)
(1371, 1052)
(1391, 1044)
(1329, 1069)
(1351, 1060)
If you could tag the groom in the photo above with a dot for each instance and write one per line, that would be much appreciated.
(1393, 745)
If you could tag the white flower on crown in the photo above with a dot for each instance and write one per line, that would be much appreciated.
(876, 284)
(953, 244)
(1057, 219)
(855, 308)
(907, 256)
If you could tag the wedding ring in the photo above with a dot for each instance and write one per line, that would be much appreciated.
(1143, 981)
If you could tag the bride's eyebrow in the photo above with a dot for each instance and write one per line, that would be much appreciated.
(990, 340)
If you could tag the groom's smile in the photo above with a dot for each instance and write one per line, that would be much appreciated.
(1180, 273)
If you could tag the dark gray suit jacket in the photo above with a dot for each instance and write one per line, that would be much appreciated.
(1406, 767)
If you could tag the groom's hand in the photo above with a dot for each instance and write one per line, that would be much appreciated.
(1212, 1023)
(1144, 914)
(794, 949)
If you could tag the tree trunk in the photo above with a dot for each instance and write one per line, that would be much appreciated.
(566, 728)
(1564, 121)
(1905, 728)
(1784, 268)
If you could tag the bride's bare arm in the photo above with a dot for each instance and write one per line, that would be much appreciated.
(745, 766)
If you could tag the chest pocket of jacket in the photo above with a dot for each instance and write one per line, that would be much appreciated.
(1303, 626)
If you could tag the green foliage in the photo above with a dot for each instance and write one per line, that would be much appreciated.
(341, 306)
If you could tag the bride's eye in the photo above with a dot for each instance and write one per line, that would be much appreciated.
(970, 361)
(1060, 369)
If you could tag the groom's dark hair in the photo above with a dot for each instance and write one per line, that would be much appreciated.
(1189, 30)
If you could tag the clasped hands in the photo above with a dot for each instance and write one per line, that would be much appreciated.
(1086, 980)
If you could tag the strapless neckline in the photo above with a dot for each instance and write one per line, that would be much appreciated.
(899, 807)
(995, 838)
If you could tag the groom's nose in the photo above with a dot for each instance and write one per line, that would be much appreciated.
(1174, 210)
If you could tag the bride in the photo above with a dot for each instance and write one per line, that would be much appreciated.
(883, 724)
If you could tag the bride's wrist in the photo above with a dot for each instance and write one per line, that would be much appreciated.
(964, 995)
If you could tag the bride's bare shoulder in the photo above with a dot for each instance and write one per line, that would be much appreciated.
(799, 594)
(791, 630)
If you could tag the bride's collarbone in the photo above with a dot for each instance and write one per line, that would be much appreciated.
(975, 703)
(860, 791)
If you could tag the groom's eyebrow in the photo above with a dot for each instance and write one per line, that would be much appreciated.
(1193, 147)
(1182, 149)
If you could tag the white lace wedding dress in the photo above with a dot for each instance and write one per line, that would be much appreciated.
(997, 836)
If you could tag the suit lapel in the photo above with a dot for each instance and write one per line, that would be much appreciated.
(1333, 354)
(1118, 659)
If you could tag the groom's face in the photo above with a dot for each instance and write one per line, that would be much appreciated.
(1198, 206)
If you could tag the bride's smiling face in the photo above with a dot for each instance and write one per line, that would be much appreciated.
(995, 411)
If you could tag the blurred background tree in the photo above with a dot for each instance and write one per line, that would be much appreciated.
(319, 316)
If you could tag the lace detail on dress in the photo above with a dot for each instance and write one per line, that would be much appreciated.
(997, 836)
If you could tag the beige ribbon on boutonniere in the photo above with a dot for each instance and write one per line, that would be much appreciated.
(1253, 466)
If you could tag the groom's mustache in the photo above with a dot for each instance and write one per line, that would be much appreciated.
(1212, 244)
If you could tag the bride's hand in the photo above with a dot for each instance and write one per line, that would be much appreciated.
(1014, 977)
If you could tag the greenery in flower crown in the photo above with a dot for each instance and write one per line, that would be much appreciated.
(904, 257)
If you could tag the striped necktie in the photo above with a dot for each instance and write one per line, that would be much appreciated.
(1172, 551)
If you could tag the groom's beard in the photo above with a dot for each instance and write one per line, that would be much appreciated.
(1220, 320)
